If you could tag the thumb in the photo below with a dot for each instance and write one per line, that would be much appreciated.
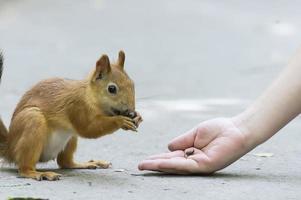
(184, 141)
(197, 137)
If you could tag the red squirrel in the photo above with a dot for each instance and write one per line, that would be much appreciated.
(52, 115)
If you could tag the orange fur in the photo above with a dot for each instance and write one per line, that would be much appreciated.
(56, 111)
(3, 130)
(3, 134)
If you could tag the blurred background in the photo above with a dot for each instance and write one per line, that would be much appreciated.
(175, 49)
(191, 60)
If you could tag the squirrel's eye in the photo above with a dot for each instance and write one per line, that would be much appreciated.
(112, 89)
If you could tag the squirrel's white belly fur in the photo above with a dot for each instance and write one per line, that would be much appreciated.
(55, 144)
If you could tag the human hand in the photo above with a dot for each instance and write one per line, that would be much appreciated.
(209, 147)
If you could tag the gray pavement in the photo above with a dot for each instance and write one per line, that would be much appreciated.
(191, 61)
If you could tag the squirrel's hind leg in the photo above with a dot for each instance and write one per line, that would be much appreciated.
(65, 158)
(29, 130)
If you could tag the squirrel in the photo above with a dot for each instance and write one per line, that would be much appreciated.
(52, 115)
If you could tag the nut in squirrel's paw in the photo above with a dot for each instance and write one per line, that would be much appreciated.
(135, 116)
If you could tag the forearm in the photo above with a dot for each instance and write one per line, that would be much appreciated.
(99, 126)
(278, 105)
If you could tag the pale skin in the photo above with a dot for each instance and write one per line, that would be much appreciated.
(214, 144)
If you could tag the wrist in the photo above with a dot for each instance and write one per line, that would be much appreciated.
(251, 137)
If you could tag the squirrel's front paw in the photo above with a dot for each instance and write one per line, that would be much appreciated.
(127, 123)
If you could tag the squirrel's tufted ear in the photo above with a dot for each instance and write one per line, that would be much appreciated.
(121, 59)
(103, 67)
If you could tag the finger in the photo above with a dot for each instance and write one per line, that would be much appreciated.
(174, 165)
(133, 129)
(183, 141)
(168, 155)
(198, 137)
(130, 126)
(128, 119)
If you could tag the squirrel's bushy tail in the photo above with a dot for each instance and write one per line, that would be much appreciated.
(3, 130)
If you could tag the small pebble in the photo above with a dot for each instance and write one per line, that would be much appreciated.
(119, 170)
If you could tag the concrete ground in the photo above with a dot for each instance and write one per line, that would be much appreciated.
(191, 61)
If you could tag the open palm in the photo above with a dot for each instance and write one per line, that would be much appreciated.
(209, 147)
